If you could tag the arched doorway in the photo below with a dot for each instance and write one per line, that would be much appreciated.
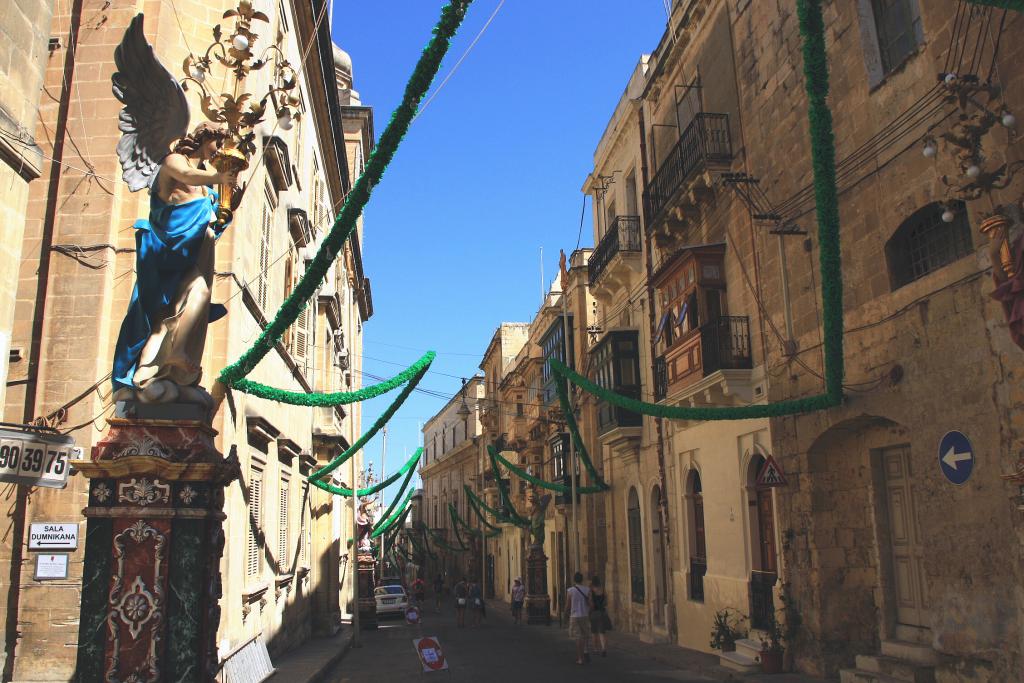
(764, 557)
(658, 559)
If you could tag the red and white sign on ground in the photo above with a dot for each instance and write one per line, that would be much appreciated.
(430, 654)
(771, 474)
(412, 615)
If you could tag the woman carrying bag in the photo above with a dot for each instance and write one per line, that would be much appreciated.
(600, 623)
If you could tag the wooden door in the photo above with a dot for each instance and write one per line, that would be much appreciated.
(766, 530)
(904, 538)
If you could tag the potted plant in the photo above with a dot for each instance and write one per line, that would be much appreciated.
(772, 649)
(725, 630)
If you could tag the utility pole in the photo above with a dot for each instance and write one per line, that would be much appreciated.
(383, 455)
(355, 554)
(574, 536)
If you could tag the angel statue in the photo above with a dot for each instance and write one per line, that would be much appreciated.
(538, 512)
(160, 346)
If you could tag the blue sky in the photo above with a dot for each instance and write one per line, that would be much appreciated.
(488, 175)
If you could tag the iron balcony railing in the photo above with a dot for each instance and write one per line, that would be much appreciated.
(623, 235)
(762, 600)
(725, 344)
(705, 140)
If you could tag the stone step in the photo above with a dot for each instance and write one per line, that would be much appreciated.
(749, 647)
(739, 662)
(910, 652)
(861, 676)
(900, 669)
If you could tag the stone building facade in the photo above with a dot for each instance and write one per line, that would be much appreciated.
(451, 460)
(25, 34)
(704, 290)
(284, 581)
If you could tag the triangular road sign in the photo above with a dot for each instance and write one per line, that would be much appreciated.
(771, 474)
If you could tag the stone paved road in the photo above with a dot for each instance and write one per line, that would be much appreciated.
(497, 651)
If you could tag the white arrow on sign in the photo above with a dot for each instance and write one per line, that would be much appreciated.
(952, 459)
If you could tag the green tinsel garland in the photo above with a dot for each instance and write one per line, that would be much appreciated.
(389, 538)
(812, 30)
(500, 516)
(471, 498)
(559, 488)
(388, 522)
(337, 398)
(574, 431)
(503, 497)
(459, 521)
(441, 543)
(1017, 5)
(377, 426)
(405, 485)
(455, 526)
(426, 68)
(406, 470)
(425, 548)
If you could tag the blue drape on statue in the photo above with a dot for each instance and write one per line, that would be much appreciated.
(167, 246)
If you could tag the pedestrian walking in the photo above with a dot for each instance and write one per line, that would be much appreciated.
(476, 602)
(461, 597)
(419, 589)
(578, 602)
(438, 591)
(518, 596)
(600, 623)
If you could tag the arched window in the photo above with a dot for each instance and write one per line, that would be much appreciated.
(924, 243)
(698, 540)
(636, 547)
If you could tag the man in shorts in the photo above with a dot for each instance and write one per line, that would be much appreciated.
(578, 600)
(461, 592)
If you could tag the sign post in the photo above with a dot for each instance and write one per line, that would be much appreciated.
(956, 457)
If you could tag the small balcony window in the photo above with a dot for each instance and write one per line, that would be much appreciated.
(553, 346)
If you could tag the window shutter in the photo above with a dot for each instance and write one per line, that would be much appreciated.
(252, 554)
(262, 280)
(282, 533)
(306, 522)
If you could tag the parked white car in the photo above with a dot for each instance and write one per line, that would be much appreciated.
(391, 600)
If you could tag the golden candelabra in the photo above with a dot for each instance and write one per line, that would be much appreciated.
(238, 111)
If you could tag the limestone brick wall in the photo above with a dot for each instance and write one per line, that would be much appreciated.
(922, 359)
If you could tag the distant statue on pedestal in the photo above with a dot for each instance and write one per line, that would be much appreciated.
(160, 346)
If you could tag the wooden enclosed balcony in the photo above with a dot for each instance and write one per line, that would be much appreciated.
(718, 346)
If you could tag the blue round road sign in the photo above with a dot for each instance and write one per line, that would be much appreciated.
(956, 457)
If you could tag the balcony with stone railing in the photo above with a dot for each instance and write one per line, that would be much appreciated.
(616, 262)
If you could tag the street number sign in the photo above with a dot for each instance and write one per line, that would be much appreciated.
(956, 457)
(53, 536)
(35, 459)
(430, 654)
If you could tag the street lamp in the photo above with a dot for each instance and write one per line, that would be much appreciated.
(237, 110)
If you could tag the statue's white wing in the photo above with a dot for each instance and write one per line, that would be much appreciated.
(155, 112)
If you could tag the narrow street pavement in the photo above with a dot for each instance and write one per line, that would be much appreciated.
(500, 651)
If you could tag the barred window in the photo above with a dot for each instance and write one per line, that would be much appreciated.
(924, 243)
(636, 547)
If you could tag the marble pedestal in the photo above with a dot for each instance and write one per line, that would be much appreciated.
(151, 583)
(367, 585)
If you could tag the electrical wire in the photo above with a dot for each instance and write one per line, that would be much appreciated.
(458, 63)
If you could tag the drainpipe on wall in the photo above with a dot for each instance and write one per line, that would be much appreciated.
(652, 322)
(12, 633)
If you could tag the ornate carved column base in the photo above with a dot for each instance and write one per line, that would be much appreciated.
(538, 603)
(367, 584)
(151, 584)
